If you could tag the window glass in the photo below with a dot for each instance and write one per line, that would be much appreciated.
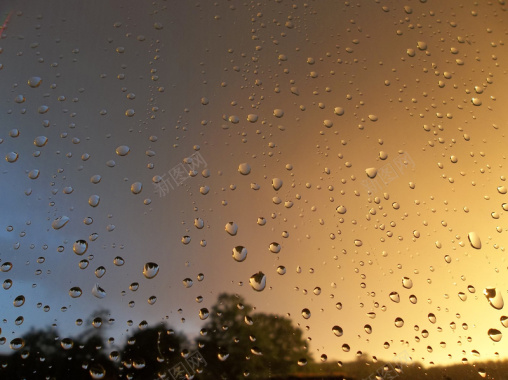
(265, 190)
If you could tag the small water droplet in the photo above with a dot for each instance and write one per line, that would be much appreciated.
(276, 183)
(394, 296)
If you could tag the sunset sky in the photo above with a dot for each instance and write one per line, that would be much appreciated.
(318, 97)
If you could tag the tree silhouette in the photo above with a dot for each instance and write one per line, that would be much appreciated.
(236, 342)
(150, 353)
(47, 356)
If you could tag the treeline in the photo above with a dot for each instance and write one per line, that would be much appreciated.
(235, 343)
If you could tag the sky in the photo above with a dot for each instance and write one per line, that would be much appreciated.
(384, 123)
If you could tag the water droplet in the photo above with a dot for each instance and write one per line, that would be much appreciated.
(383, 155)
(231, 228)
(118, 261)
(34, 82)
(394, 296)
(19, 301)
(373, 118)
(97, 372)
(17, 344)
(244, 168)
(474, 240)
(60, 222)
(252, 118)
(476, 101)
(33, 174)
(223, 355)
(504, 321)
(66, 343)
(136, 187)
(7, 266)
(399, 322)
(94, 200)
(341, 209)
(339, 111)
(239, 253)
(152, 300)
(258, 281)
(278, 112)
(98, 292)
(203, 314)
(130, 112)
(302, 362)
(11, 157)
(371, 172)
(421, 45)
(187, 282)
(275, 247)
(306, 313)
(494, 297)
(337, 330)
(150, 270)
(495, 335)
(100, 272)
(75, 292)
(123, 150)
(368, 329)
(281, 270)
(407, 283)
(40, 141)
(80, 247)
(276, 183)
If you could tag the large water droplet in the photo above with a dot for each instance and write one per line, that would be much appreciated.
(60, 222)
(123, 150)
(337, 330)
(495, 335)
(276, 183)
(17, 344)
(136, 187)
(244, 168)
(40, 141)
(258, 281)
(231, 228)
(80, 247)
(394, 296)
(407, 283)
(34, 82)
(19, 301)
(75, 292)
(239, 253)
(275, 247)
(494, 297)
(474, 240)
(97, 372)
(203, 314)
(150, 270)
(98, 292)
(66, 343)
(306, 313)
